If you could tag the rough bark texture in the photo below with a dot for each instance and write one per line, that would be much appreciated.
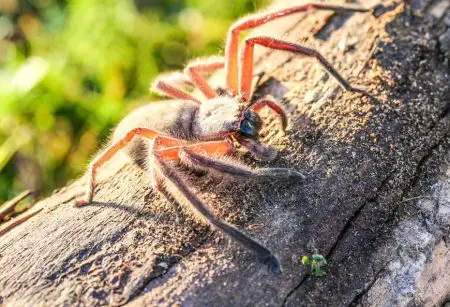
(376, 203)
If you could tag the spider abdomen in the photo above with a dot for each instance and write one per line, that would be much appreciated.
(172, 117)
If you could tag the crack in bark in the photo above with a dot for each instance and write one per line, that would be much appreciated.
(415, 178)
(347, 227)
(294, 289)
(356, 300)
(427, 156)
(423, 160)
(342, 233)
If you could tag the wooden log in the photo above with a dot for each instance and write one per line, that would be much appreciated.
(369, 204)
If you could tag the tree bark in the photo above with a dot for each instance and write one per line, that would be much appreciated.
(376, 202)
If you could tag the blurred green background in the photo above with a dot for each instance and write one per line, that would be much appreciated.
(70, 70)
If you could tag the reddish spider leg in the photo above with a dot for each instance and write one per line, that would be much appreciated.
(171, 175)
(171, 153)
(113, 149)
(245, 80)
(167, 85)
(194, 70)
(192, 158)
(163, 85)
(202, 155)
(274, 106)
(253, 21)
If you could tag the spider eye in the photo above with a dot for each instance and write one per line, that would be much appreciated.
(247, 128)
(250, 125)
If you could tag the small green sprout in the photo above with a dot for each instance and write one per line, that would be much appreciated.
(316, 263)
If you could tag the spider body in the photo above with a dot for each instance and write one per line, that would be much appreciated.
(182, 119)
(198, 131)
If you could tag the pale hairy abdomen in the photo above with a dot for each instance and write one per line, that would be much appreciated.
(172, 117)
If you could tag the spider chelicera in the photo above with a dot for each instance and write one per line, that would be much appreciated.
(198, 131)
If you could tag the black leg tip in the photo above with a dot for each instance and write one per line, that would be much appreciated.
(272, 263)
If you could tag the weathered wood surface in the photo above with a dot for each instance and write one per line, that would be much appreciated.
(370, 163)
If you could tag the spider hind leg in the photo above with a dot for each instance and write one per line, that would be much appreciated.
(195, 69)
(170, 175)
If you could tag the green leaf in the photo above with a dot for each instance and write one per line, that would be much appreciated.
(319, 258)
(318, 272)
(305, 260)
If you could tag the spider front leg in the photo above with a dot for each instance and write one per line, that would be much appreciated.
(112, 150)
(195, 69)
(171, 175)
(253, 21)
(246, 68)
(234, 168)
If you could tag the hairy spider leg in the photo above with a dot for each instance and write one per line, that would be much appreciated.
(218, 148)
(246, 73)
(113, 149)
(158, 184)
(234, 168)
(273, 105)
(202, 154)
(195, 69)
(177, 78)
(212, 148)
(253, 21)
(171, 175)
(163, 86)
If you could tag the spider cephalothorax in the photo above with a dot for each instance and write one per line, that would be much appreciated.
(221, 116)
(198, 131)
(229, 117)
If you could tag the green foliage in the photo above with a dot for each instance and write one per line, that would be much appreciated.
(70, 70)
(316, 263)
